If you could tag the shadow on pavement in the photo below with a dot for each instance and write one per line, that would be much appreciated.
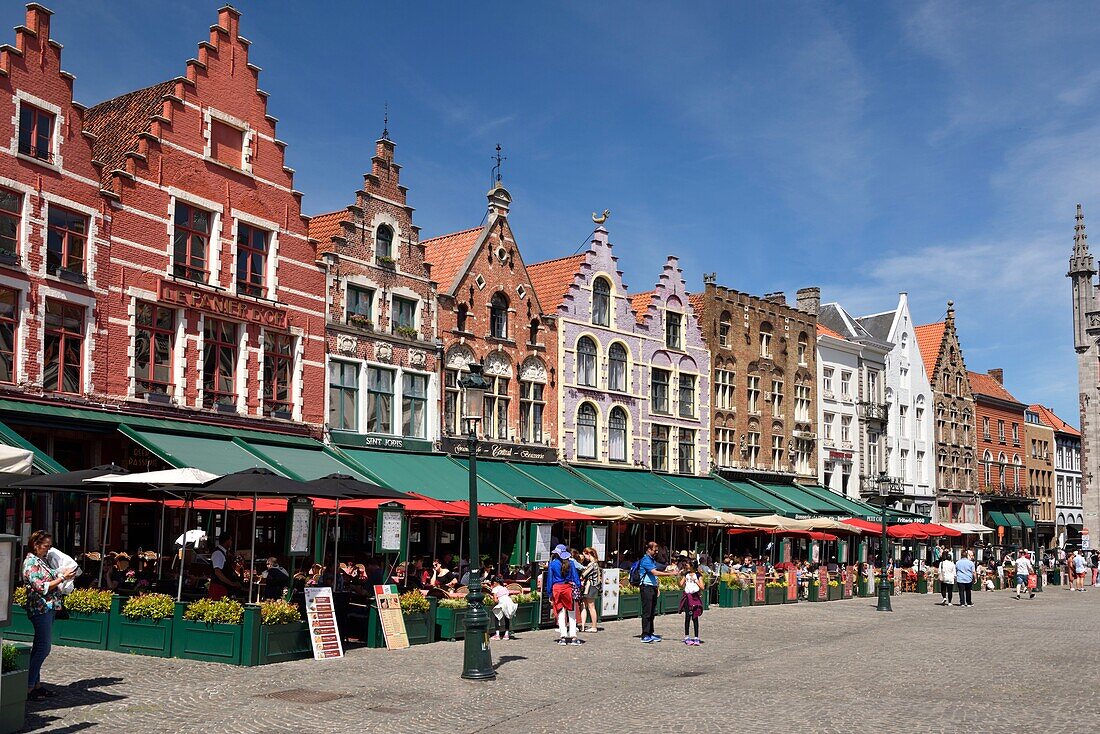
(77, 693)
(505, 659)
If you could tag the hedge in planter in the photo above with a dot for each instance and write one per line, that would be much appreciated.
(450, 619)
(143, 625)
(834, 592)
(88, 622)
(209, 630)
(729, 595)
(281, 634)
(13, 690)
(20, 628)
(630, 601)
(527, 612)
(775, 593)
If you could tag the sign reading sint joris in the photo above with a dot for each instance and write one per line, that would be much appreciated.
(179, 294)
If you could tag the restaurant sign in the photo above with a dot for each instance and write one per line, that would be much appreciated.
(379, 441)
(173, 293)
(840, 456)
(505, 451)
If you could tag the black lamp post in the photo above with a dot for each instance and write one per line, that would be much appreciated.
(477, 661)
(885, 586)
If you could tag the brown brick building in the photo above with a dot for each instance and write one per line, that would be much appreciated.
(489, 313)
(1039, 450)
(762, 357)
(383, 365)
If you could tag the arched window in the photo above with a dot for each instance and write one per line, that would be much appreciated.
(498, 316)
(601, 302)
(616, 367)
(586, 362)
(905, 344)
(383, 242)
(802, 342)
(1001, 461)
(724, 329)
(1016, 472)
(766, 340)
(616, 435)
(988, 469)
(586, 431)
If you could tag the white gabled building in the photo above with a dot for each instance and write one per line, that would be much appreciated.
(838, 461)
(910, 447)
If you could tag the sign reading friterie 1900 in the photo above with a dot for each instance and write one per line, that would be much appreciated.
(179, 294)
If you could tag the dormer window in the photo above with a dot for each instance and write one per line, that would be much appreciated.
(601, 302)
(674, 338)
(35, 132)
(383, 244)
(498, 316)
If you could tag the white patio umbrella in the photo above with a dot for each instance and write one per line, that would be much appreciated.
(602, 513)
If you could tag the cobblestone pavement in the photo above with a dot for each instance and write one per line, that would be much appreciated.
(835, 667)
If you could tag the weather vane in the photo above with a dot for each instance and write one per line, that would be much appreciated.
(601, 218)
(496, 168)
(386, 122)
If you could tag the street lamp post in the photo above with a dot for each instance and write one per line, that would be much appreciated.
(477, 661)
(884, 586)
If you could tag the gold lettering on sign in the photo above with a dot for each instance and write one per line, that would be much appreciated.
(221, 304)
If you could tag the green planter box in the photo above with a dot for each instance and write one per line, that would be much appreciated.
(728, 597)
(835, 593)
(419, 627)
(82, 630)
(774, 595)
(13, 701)
(669, 602)
(20, 628)
(814, 592)
(524, 618)
(706, 598)
(450, 623)
(922, 586)
(212, 643)
(630, 606)
(1055, 577)
(139, 636)
(748, 597)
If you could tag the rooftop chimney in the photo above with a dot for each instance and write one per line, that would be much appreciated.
(809, 300)
(998, 374)
(777, 297)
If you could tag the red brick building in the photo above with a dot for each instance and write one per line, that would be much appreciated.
(489, 313)
(383, 364)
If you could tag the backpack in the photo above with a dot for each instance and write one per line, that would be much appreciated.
(635, 576)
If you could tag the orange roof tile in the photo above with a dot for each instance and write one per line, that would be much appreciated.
(823, 329)
(323, 227)
(1047, 416)
(551, 279)
(696, 301)
(639, 302)
(982, 384)
(117, 122)
(447, 253)
(929, 339)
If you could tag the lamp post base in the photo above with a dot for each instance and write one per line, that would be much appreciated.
(884, 590)
(477, 661)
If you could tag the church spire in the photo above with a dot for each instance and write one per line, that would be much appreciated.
(1081, 262)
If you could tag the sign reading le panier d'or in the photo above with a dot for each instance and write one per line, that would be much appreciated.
(491, 450)
(221, 304)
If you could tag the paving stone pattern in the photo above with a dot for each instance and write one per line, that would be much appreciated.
(1000, 666)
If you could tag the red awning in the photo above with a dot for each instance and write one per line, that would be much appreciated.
(913, 530)
(935, 530)
(495, 511)
(865, 525)
(556, 514)
(126, 500)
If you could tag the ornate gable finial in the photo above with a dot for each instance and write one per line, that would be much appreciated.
(1080, 238)
(386, 122)
(601, 218)
(497, 166)
(951, 313)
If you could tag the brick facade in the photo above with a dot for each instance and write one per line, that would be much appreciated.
(489, 313)
(1001, 445)
(762, 338)
(1039, 451)
(381, 312)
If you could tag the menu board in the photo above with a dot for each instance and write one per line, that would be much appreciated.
(542, 542)
(609, 596)
(761, 585)
(389, 614)
(323, 631)
(299, 529)
(792, 585)
(822, 583)
(848, 574)
(599, 541)
(390, 537)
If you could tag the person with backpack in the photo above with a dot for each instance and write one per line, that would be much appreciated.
(564, 582)
(643, 574)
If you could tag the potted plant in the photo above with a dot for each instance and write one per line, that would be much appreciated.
(450, 619)
(386, 261)
(527, 611)
(142, 625)
(834, 592)
(668, 602)
(13, 690)
(775, 592)
(280, 634)
(209, 630)
(815, 589)
(20, 628)
(729, 590)
(88, 622)
(361, 321)
(419, 613)
(922, 582)
(409, 332)
(630, 600)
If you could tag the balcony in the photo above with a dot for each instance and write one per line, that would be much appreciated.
(869, 486)
(874, 412)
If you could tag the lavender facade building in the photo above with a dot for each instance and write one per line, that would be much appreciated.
(633, 373)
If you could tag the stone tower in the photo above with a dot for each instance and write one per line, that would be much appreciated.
(1086, 332)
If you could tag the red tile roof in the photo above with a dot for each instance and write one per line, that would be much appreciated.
(639, 302)
(1047, 416)
(117, 122)
(323, 227)
(447, 253)
(929, 339)
(551, 279)
(696, 301)
(982, 384)
(823, 329)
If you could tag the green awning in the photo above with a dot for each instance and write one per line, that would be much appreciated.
(209, 453)
(302, 462)
(515, 482)
(851, 507)
(718, 494)
(775, 505)
(997, 519)
(1014, 520)
(1026, 519)
(42, 461)
(640, 488)
(432, 475)
(799, 497)
(573, 487)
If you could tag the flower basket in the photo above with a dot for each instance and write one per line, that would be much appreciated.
(141, 635)
(203, 637)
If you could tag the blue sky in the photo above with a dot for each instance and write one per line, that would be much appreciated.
(870, 148)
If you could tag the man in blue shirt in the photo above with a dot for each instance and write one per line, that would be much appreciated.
(650, 569)
(964, 578)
